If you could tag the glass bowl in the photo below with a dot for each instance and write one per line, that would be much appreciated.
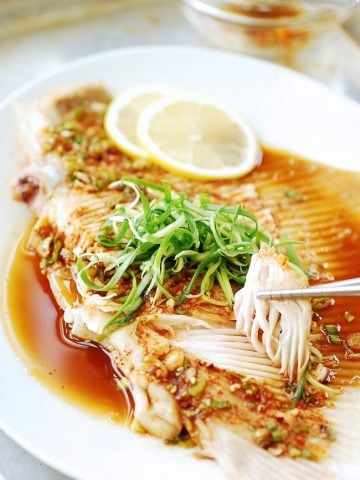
(271, 29)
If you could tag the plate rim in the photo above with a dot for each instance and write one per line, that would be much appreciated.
(82, 60)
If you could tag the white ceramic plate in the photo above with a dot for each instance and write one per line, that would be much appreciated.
(287, 110)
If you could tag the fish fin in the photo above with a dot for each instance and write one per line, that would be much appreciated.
(240, 458)
(222, 347)
(344, 457)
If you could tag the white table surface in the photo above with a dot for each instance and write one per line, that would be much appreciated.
(136, 23)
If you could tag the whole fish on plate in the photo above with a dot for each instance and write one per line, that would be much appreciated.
(165, 278)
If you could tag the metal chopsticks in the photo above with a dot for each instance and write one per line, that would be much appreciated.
(343, 288)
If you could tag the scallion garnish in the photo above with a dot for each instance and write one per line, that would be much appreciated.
(331, 329)
(293, 194)
(163, 233)
(290, 251)
(299, 392)
(332, 334)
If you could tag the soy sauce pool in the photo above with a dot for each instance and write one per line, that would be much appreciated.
(307, 205)
(81, 373)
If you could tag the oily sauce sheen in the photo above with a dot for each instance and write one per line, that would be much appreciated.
(312, 203)
(80, 373)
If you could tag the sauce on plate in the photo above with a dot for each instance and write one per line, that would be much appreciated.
(79, 372)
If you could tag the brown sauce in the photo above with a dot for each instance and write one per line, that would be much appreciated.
(312, 203)
(80, 373)
(265, 10)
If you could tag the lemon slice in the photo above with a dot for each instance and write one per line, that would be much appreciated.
(198, 139)
(122, 117)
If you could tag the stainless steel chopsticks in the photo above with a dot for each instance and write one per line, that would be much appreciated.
(342, 288)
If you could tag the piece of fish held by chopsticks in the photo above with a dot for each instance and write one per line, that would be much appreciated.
(192, 374)
(279, 328)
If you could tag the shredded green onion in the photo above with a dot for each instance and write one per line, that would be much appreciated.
(316, 355)
(332, 334)
(301, 386)
(219, 405)
(293, 194)
(331, 329)
(162, 233)
(291, 252)
(320, 386)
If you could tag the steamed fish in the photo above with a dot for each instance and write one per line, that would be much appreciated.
(165, 278)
